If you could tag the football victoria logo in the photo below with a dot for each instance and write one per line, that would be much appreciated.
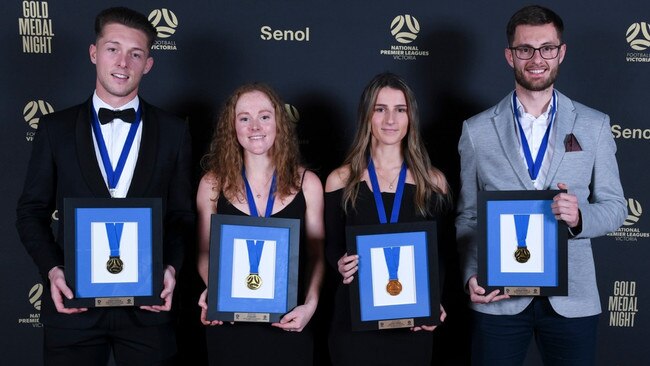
(171, 22)
(165, 22)
(32, 113)
(638, 36)
(405, 28)
(34, 110)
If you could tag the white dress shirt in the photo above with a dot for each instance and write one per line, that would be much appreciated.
(115, 134)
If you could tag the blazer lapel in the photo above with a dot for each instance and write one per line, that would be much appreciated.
(564, 122)
(144, 167)
(504, 124)
(86, 152)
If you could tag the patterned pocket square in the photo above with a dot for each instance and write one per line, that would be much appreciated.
(571, 143)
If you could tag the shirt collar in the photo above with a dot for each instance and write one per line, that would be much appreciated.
(99, 103)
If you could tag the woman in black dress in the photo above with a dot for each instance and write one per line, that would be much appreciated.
(254, 165)
(387, 145)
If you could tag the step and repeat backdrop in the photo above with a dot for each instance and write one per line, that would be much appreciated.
(319, 55)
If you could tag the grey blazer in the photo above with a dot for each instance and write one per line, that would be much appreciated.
(490, 160)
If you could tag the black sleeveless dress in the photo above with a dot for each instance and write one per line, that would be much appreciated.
(256, 343)
(380, 347)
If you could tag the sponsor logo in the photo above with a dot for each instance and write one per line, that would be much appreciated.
(269, 34)
(630, 133)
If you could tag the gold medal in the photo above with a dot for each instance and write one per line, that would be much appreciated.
(253, 281)
(114, 265)
(394, 287)
(522, 255)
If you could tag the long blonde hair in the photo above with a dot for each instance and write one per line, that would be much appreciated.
(413, 149)
(225, 157)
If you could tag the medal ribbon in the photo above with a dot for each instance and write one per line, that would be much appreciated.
(255, 248)
(534, 166)
(114, 232)
(521, 226)
(251, 200)
(391, 254)
(379, 202)
(113, 176)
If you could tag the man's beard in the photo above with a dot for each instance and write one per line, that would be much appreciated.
(537, 86)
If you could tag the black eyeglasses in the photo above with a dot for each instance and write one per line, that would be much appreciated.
(547, 52)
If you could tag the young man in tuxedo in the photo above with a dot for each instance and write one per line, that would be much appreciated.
(77, 153)
(536, 138)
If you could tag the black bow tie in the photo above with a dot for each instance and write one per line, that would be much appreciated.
(107, 115)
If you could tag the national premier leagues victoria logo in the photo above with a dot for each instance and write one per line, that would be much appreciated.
(32, 113)
(165, 22)
(629, 231)
(405, 30)
(638, 37)
(34, 297)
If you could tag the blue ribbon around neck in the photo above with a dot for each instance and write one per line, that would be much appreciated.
(251, 200)
(379, 202)
(113, 176)
(534, 166)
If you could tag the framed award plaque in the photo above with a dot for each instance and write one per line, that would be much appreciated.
(253, 268)
(523, 248)
(397, 285)
(113, 251)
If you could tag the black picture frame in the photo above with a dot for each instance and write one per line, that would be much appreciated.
(135, 225)
(372, 305)
(543, 271)
(229, 296)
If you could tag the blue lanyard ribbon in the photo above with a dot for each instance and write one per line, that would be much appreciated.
(521, 226)
(251, 200)
(534, 166)
(379, 202)
(391, 254)
(113, 176)
(114, 232)
(255, 248)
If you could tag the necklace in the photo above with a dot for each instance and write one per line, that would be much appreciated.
(259, 195)
(391, 184)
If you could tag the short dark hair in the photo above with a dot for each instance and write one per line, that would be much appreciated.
(127, 17)
(533, 15)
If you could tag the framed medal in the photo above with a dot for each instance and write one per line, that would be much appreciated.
(523, 248)
(113, 251)
(253, 268)
(397, 285)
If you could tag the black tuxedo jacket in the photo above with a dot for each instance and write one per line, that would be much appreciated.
(63, 164)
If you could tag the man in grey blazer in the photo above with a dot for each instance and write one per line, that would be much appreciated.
(537, 138)
(80, 153)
